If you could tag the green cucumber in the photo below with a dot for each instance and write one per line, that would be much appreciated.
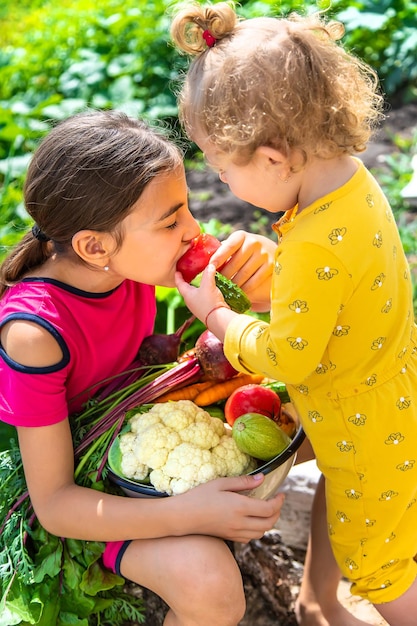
(232, 294)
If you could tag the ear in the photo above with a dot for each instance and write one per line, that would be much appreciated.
(276, 162)
(275, 157)
(92, 247)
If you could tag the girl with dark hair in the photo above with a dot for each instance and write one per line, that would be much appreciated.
(108, 196)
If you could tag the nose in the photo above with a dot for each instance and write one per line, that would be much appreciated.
(193, 229)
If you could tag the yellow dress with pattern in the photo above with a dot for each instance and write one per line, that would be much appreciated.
(342, 337)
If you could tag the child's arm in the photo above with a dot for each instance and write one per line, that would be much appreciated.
(67, 510)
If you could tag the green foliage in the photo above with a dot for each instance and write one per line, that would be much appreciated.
(381, 32)
(59, 58)
(100, 55)
(384, 34)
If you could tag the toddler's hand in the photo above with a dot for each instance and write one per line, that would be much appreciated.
(200, 300)
(248, 260)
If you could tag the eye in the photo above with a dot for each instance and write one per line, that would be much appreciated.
(173, 225)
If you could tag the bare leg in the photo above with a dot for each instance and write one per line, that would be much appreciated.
(318, 604)
(403, 611)
(197, 576)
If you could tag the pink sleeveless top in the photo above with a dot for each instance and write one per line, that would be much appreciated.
(99, 335)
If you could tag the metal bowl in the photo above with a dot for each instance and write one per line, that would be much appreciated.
(275, 472)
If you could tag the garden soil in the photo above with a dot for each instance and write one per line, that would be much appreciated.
(272, 571)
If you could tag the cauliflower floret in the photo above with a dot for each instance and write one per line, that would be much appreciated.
(141, 421)
(178, 485)
(161, 481)
(230, 460)
(187, 466)
(191, 463)
(154, 443)
(132, 469)
(177, 415)
(203, 432)
(130, 465)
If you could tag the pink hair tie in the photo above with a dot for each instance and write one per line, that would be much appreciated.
(209, 39)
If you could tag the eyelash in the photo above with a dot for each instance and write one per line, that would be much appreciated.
(172, 226)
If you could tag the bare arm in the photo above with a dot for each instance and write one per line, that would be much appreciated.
(68, 510)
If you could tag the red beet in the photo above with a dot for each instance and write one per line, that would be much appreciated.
(158, 349)
(210, 355)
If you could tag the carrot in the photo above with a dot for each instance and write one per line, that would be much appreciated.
(189, 392)
(288, 418)
(221, 391)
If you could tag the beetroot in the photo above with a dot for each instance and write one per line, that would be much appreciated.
(159, 349)
(210, 355)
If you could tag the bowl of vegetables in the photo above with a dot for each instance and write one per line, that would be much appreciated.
(170, 447)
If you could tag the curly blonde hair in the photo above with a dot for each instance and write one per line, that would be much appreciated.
(280, 82)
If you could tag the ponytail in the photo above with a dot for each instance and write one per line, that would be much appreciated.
(28, 254)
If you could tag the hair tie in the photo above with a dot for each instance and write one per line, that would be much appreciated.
(209, 38)
(219, 305)
(39, 234)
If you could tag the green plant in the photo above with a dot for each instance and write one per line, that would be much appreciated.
(393, 175)
(381, 32)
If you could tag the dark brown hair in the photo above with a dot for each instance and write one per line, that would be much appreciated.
(86, 174)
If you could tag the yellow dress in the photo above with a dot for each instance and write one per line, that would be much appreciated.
(342, 337)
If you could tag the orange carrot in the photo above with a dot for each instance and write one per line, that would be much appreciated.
(221, 391)
(189, 392)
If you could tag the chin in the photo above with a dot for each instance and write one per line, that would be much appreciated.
(167, 283)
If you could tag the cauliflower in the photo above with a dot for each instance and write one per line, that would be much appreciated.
(230, 460)
(188, 466)
(154, 443)
(204, 432)
(130, 465)
(179, 445)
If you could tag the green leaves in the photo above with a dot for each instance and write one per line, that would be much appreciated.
(47, 580)
(69, 586)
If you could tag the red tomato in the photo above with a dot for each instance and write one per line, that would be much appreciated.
(252, 399)
(197, 257)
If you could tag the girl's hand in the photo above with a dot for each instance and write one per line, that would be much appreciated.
(248, 260)
(218, 508)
